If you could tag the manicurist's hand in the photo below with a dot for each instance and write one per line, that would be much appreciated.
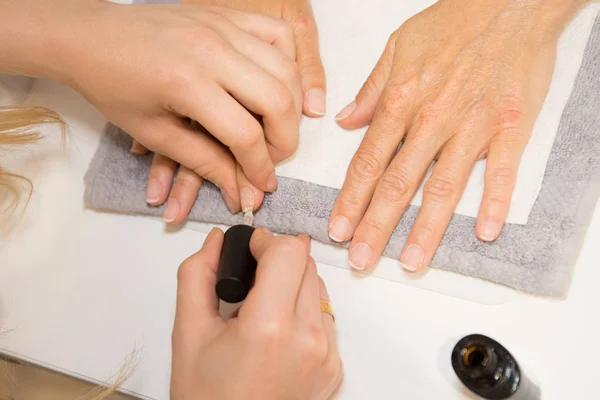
(180, 194)
(300, 16)
(151, 68)
(460, 81)
(279, 346)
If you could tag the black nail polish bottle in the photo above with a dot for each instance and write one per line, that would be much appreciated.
(490, 371)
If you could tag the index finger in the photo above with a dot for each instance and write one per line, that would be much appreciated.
(281, 266)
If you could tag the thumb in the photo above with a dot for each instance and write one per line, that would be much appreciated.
(360, 111)
(197, 311)
(308, 58)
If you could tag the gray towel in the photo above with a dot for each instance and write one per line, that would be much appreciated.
(537, 257)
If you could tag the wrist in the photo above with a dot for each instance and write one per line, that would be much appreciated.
(39, 38)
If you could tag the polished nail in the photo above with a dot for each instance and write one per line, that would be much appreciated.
(340, 229)
(490, 229)
(346, 111)
(154, 191)
(247, 199)
(171, 211)
(230, 202)
(315, 101)
(360, 256)
(412, 257)
(272, 182)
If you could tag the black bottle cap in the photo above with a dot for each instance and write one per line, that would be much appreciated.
(237, 266)
(485, 367)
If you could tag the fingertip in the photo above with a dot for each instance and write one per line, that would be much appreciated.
(412, 257)
(306, 240)
(346, 112)
(488, 228)
(214, 237)
(233, 203)
(259, 240)
(315, 102)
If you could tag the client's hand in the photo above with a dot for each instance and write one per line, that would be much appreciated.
(279, 346)
(151, 68)
(460, 81)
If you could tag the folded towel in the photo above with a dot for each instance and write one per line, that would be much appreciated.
(537, 257)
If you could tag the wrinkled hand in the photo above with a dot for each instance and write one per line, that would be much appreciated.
(457, 82)
(280, 345)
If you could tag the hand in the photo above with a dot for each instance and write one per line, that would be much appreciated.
(278, 347)
(150, 69)
(299, 14)
(460, 81)
(182, 192)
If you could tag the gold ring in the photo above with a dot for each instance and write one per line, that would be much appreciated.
(327, 308)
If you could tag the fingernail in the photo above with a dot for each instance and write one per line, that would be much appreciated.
(346, 111)
(153, 191)
(340, 229)
(360, 255)
(490, 229)
(247, 199)
(412, 257)
(171, 211)
(272, 182)
(315, 101)
(137, 148)
(229, 201)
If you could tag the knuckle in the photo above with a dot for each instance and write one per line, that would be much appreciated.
(303, 23)
(374, 227)
(290, 71)
(440, 187)
(271, 332)
(429, 114)
(284, 29)
(367, 165)
(395, 186)
(187, 182)
(283, 101)
(314, 346)
(312, 66)
(501, 176)
(185, 270)
(395, 98)
(249, 134)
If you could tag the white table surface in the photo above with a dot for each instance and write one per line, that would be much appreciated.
(79, 290)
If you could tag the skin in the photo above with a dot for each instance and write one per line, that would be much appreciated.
(180, 194)
(278, 346)
(196, 60)
(457, 82)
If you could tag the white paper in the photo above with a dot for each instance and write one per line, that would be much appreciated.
(353, 35)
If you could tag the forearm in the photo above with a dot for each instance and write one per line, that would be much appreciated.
(38, 37)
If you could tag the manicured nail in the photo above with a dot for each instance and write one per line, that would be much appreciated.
(171, 211)
(229, 201)
(340, 229)
(272, 182)
(412, 257)
(137, 148)
(360, 256)
(490, 229)
(315, 101)
(247, 199)
(346, 111)
(154, 191)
